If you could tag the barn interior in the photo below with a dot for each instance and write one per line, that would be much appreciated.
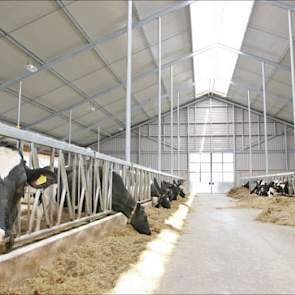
(196, 92)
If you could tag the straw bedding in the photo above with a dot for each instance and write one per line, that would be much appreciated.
(94, 267)
(278, 210)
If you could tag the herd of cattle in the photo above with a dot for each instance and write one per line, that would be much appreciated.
(272, 188)
(15, 175)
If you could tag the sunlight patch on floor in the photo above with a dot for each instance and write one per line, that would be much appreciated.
(144, 277)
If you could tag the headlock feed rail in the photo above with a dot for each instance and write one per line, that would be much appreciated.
(87, 197)
(270, 177)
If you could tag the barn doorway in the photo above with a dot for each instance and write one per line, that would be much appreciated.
(211, 172)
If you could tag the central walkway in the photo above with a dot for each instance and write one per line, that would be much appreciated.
(222, 250)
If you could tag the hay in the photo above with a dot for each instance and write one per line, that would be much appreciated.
(278, 210)
(94, 267)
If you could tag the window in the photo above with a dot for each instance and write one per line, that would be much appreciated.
(218, 25)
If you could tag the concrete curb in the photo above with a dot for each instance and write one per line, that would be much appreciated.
(25, 262)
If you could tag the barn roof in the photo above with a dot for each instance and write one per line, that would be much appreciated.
(80, 48)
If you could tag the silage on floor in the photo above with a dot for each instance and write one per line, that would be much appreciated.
(278, 210)
(94, 267)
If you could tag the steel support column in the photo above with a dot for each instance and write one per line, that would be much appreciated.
(258, 132)
(178, 136)
(19, 104)
(70, 128)
(128, 83)
(286, 148)
(234, 144)
(171, 120)
(98, 139)
(250, 137)
(292, 63)
(159, 92)
(264, 116)
(139, 146)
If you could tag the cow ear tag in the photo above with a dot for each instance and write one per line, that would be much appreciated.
(41, 180)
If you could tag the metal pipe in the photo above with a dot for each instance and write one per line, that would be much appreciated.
(178, 136)
(258, 132)
(286, 148)
(19, 104)
(98, 139)
(250, 135)
(70, 128)
(128, 83)
(171, 120)
(264, 115)
(139, 145)
(234, 144)
(159, 91)
(292, 62)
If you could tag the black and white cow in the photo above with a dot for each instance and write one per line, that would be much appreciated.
(14, 175)
(159, 196)
(272, 188)
(123, 202)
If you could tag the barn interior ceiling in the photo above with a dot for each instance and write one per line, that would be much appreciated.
(80, 48)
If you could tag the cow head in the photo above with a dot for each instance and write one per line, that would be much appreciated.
(140, 221)
(14, 175)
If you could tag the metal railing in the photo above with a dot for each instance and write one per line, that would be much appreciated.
(89, 195)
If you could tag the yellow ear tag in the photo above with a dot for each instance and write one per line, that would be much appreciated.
(41, 180)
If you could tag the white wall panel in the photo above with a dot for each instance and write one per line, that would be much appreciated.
(210, 129)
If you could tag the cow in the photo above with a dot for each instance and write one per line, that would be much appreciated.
(159, 198)
(14, 175)
(123, 202)
(273, 188)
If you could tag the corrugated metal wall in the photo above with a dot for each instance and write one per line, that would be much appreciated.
(208, 126)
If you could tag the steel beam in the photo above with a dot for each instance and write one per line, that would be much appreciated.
(281, 5)
(58, 59)
(254, 57)
(98, 139)
(37, 59)
(112, 88)
(70, 128)
(96, 50)
(159, 92)
(234, 144)
(136, 15)
(171, 120)
(250, 137)
(129, 85)
(286, 148)
(19, 104)
(265, 120)
(292, 63)
(178, 136)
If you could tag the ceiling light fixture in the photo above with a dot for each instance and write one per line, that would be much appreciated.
(31, 68)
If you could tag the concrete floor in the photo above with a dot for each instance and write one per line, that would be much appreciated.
(222, 250)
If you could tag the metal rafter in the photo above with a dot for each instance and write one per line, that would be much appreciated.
(65, 81)
(274, 71)
(100, 40)
(104, 60)
(137, 77)
(185, 93)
